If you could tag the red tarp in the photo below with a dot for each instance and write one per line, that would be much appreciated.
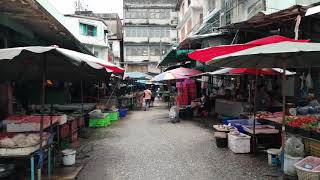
(205, 55)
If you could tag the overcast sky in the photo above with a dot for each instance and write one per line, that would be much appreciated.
(97, 6)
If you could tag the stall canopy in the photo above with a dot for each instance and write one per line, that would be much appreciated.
(137, 76)
(178, 73)
(175, 56)
(30, 63)
(248, 71)
(205, 55)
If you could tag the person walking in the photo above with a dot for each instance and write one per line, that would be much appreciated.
(147, 98)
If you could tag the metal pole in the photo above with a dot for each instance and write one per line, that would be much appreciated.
(254, 114)
(43, 95)
(81, 87)
(283, 135)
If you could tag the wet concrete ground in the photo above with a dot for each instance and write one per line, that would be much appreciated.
(145, 146)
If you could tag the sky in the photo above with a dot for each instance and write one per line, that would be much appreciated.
(97, 6)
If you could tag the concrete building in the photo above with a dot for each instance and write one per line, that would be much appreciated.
(190, 16)
(149, 31)
(90, 31)
(233, 11)
(115, 35)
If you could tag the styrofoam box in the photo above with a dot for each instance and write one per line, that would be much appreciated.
(239, 144)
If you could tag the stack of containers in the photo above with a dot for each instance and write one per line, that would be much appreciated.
(192, 90)
(187, 91)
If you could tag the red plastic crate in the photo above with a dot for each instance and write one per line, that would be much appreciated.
(64, 130)
(80, 123)
(74, 136)
(73, 125)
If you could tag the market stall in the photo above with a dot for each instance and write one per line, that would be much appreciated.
(27, 133)
(283, 54)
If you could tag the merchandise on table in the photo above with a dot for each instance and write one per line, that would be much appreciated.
(238, 123)
(21, 144)
(31, 123)
(261, 129)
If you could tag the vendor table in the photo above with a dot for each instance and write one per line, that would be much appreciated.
(31, 156)
(266, 136)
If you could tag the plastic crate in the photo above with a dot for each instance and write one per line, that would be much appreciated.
(122, 112)
(225, 118)
(74, 137)
(238, 123)
(64, 130)
(308, 168)
(113, 116)
(312, 147)
(81, 123)
(93, 123)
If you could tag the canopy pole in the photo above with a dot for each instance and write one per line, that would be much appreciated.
(283, 133)
(254, 114)
(43, 94)
(82, 109)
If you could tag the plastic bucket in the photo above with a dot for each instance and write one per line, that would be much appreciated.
(122, 112)
(273, 159)
(69, 157)
(289, 163)
(221, 142)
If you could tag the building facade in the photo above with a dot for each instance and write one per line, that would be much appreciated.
(90, 31)
(190, 16)
(115, 35)
(149, 31)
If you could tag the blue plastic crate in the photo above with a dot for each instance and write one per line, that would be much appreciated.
(238, 123)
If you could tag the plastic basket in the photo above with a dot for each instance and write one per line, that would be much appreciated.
(98, 122)
(312, 147)
(113, 116)
(122, 112)
(312, 173)
(225, 119)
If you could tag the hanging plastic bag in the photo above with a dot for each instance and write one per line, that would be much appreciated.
(294, 147)
(309, 82)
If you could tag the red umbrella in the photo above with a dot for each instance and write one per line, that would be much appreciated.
(185, 71)
(252, 71)
(205, 55)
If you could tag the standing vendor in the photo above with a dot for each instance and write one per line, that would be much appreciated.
(262, 99)
(313, 100)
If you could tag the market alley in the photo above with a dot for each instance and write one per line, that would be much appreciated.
(145, 145)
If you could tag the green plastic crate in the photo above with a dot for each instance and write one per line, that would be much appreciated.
(113, 116)
(98, 122)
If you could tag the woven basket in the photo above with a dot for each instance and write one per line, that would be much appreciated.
(307, 174)
(312, 147)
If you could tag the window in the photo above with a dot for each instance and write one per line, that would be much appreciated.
(88, 30)
(201, 18)
(137, 51)
(96, 53)
(182, 34)
(189, 26)
(147, 32)
(212, 5)
(228, 17)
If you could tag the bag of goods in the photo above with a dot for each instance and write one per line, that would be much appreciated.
(96, 114)
(7, 142)
(33, 139)
(294, 147)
